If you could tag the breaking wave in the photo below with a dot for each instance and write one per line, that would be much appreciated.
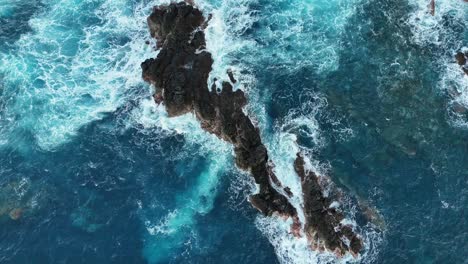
(71, 69)
(445, 33)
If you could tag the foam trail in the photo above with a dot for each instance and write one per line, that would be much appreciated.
(68, 72)
(177, 227)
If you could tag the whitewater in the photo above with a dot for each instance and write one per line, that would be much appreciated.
(101, 170)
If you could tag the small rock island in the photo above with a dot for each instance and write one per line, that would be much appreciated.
(180, 74)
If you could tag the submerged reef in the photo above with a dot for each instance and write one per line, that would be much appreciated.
(180, 75)
(23, 198)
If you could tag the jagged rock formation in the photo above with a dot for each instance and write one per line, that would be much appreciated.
(323, 222)
(462, 58)
(432, 7)
(180, 74)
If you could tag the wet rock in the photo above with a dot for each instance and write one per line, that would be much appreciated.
(372, 214)
(23, 198)
(231, 76)
(462, 59)
(432, 7)
(180, 73)
(323, 222)
(296, 227)
(287, 190)
(459, 108)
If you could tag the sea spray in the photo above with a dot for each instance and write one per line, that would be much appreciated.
(68, 72)
(229, 21)
(445, 32)
(437, 29)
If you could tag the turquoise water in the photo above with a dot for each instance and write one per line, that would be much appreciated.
(100, 174)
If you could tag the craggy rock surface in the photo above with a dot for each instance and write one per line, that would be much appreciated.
(180, 74)
(323, 221)
(462, 59)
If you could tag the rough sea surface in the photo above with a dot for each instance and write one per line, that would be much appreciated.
(93, 171)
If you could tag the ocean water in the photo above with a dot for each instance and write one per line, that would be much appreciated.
(95, 172)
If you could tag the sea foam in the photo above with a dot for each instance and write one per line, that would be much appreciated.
(79, 62)
(177, 229)
(445, 31)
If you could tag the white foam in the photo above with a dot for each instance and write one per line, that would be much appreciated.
(172, 231)
(232, 18)
(229, 20)
(63, 75)
(429, 30)
(290, 249)
(304, 34)
(153, 116)
(283, 149)
(455, 83)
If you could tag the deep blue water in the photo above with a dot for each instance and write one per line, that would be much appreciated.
(100, 174)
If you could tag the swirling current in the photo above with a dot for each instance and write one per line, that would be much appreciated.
(92, 170)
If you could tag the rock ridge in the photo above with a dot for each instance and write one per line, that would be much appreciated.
(180, 75)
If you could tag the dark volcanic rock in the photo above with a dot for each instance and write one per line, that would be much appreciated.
(462, 58)
(322, 221)
(231, 76)
(180, 73)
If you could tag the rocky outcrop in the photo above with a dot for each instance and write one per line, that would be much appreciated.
(432, 7)
(180, 75)
(462, 58)
(323, 221)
